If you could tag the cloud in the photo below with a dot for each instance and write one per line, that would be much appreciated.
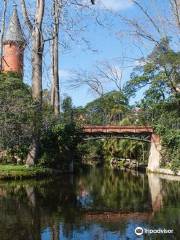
(114, 5)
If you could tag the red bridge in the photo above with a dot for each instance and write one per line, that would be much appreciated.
(138, 133)
(117, 129)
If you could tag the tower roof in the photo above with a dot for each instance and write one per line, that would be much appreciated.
(14, 32)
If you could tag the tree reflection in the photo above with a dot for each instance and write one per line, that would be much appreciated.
(102, 199)
(114, 190)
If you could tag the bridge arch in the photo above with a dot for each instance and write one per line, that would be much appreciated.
(138, 133)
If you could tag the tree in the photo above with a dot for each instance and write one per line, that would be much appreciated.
(160, 72)
(35, 30)
(55, 86)
(67, 108)
(160, 106)
(109, 108)
(16, 115)
(55, 97)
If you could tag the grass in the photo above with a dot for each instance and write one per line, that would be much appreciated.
(10, 171)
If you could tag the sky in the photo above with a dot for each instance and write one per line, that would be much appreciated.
(107, 41)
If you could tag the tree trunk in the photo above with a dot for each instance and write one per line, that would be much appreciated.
(55, 97)
(2, 32)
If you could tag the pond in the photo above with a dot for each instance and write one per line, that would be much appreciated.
(100, 204)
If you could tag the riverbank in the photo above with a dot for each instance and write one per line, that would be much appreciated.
(11, 171)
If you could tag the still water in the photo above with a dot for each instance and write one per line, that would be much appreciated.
(100, 204)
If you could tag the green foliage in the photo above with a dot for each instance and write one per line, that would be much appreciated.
(67, 107)
(16, 114)
(109, 108)
(59, 145)
(92, 152)
(125, 149)
(169, 131)
(105, 150)
(165, 118)
(60, 137)
(22, 172)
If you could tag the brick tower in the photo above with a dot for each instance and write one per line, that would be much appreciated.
(13, 46)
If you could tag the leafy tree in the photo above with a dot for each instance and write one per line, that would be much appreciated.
(17, 112)
(160, 78)
(109, 108)
(59, 145)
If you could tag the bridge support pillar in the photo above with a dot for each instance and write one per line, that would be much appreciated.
(154, 155)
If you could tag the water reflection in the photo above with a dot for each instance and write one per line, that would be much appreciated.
(101, 204)
(155, 186)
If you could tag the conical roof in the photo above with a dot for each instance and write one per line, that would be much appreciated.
(14, 32)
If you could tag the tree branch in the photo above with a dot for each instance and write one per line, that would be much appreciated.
(147, 15)
(26, 16)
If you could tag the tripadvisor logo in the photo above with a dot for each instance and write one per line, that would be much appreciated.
(138, 231)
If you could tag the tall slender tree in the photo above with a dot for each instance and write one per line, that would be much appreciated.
(55, 95)
(55, 85)
(37, 42)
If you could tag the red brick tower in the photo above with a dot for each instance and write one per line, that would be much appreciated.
(13, 44)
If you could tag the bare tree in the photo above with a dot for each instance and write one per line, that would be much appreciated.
(55, 86)
(100, 78)
(2, 31)
(84, 78)
(37, 41)
(111, 73)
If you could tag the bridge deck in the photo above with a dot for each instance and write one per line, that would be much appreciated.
(90, 129)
